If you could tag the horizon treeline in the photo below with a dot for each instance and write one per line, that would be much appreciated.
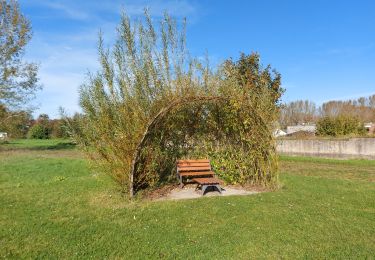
(307, 112)
(18, 123)
(21, 124)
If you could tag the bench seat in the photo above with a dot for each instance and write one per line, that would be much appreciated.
(204, 183)
(207, 181)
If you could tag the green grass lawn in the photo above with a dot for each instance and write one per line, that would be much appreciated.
(53, 206)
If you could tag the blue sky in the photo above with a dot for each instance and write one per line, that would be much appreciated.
(324, 49)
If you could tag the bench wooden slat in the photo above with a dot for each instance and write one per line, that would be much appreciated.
(194, 168)
(193, 164)
(207, 181)
(208, 173)
(194, 161)
(200, 172)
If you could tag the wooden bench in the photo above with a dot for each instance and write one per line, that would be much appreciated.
(199, 171)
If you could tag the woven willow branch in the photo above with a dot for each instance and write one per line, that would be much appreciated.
(155, 120)
(159, 117)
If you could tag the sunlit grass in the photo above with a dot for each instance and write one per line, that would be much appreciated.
(56, 207)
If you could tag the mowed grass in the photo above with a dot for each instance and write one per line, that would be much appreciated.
(56, 207)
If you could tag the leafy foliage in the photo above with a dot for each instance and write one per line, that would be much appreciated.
(151, 103)
(18, 79)
(340, 126)
(15, 123)
(41, 129)
(59, 129)
(38, 132)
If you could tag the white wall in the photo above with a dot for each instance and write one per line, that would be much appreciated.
(345, 148)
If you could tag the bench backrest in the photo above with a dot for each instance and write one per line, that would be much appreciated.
(193, 165)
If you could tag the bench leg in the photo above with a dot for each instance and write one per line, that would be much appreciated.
(218, 188)
(204, 187)
(181, 184)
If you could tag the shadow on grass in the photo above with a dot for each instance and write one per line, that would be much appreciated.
(12, 146)
(58, 146)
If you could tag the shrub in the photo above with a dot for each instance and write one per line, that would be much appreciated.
(150, 104)
(340, 126)
(39, 131)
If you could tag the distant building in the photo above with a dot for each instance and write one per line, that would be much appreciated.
(301, 128)
(278, 133)
(3, 135)
(370, 127)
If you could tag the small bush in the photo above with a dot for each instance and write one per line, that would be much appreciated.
(39, 131)
(340, 126)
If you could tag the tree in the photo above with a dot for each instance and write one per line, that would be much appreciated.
(41, 129)
(362, 108)
(305, 111)
(18, 79)
(15, 123)
(298, 112)
(58, 128)
(43, 119)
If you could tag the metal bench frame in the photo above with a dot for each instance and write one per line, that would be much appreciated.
(205, 186)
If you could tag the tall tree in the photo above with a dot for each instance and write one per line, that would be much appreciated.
(298, 112)
(363, 108)
(15, 123)
(18, 79)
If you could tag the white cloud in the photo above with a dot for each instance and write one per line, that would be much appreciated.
(71, 12)
(69, 52)
(84, 10)
(63, 68)
(60, 90)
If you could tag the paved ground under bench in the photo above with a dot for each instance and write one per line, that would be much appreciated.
(189, 192)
